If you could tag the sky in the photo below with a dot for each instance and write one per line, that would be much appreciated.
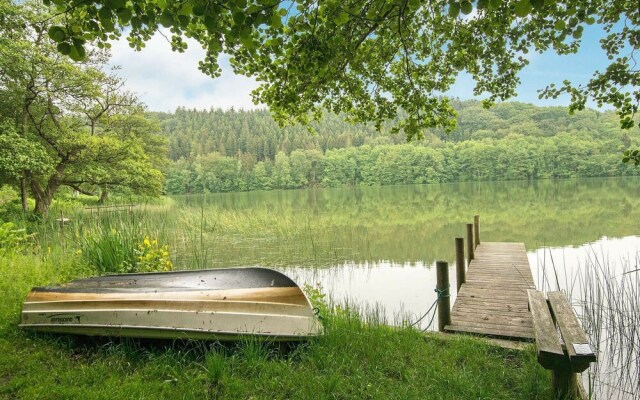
(165, 80)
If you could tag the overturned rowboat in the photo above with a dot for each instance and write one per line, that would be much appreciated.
(220, 304)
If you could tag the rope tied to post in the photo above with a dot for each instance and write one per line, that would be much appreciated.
(442, 293)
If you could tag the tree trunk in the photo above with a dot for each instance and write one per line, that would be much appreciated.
(43, 202)
(104, 195)
(23, 192)
(44, 197)
(312, 180)
(25, 127)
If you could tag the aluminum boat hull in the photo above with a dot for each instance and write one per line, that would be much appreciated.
(220, 304)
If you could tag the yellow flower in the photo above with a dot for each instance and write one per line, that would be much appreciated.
(147, 242)
(79, 251)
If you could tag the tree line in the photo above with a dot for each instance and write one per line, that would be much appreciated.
(218, 151)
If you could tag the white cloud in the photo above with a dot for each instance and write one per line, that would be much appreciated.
(165, 79)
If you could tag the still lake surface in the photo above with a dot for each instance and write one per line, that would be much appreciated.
(376, 247)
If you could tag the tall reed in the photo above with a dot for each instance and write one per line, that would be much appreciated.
(605, 293)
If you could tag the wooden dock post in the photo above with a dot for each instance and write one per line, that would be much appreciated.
(461, 272)
(470, 246)
(476, 229)
(565, 384)
(442, 288)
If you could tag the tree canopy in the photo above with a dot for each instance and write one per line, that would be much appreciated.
(369, 59)
(65, 123)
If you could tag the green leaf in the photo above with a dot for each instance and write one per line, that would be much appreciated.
(124, 15)
(77, 52)
(276, 21)
(466, 7)
(104, 13)
(560, 25)
(238, 17)
(199, 10)
(64, 48)
(342, 18)
(495, 4)
(166, 19)
(523, 8)
(577, 34)
(115, 4)
(57, 34)
(454, 9)
(186, 9)
(537, 4)
(483, 4)
(210, 23)
(184, 20)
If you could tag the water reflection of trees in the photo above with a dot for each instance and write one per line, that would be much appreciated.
(417, 222)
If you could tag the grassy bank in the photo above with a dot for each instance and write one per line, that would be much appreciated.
(354, 360)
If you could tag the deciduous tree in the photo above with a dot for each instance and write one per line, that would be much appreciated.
(69, 123)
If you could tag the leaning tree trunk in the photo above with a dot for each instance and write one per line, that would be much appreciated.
(44, 196)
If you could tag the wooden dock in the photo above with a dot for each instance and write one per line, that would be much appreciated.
(493, 300)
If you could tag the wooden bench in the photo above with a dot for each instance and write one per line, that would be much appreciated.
(565, 354)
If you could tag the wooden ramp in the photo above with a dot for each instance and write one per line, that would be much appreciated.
(493, 301)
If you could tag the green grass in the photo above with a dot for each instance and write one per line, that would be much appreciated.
(353, 360)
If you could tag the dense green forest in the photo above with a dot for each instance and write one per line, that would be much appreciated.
(224, 151)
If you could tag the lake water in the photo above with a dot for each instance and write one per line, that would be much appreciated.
(377, 247)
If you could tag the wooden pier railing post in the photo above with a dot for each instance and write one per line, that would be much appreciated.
(470, 246)
(461, 272)
(442, 288)
(476, 229)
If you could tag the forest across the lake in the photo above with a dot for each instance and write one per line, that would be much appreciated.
(227, 151)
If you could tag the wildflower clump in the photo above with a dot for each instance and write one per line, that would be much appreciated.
(152, 256)
(112, 251)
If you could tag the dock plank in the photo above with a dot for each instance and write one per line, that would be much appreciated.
(493, 301)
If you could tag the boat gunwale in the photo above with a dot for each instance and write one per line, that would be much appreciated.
(275, 337)
(146, 310)
(39, 302)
